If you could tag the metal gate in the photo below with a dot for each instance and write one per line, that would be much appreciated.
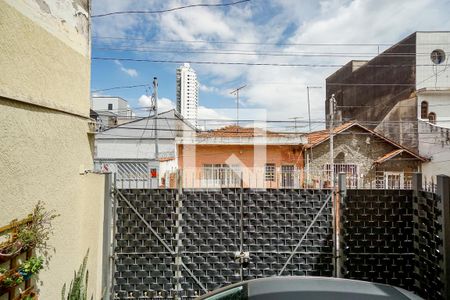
(173, 245)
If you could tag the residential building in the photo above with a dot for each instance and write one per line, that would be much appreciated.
(187, 93)
(46, 138)
(235, 156)
(369, 159)
(110, 111)
(408, 82)
(129, 150)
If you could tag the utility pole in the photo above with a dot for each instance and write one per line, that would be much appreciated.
(155, 99)
(332, 104)
(236, 92)
(309, 105)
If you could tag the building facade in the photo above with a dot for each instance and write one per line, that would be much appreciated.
(234, 156)
(46, 140)
(129, 150)
(369, 159)
(187, 93)
(110, 111)
(408, 82)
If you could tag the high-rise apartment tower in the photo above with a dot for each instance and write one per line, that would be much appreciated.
(187, 93)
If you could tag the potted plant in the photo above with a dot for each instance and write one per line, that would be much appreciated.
(10, 280)
(36, 233)
(31, 266)
(31, 235)
(10, 249)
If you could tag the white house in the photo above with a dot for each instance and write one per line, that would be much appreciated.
(129, 150)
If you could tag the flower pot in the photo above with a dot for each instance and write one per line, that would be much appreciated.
(6, 253)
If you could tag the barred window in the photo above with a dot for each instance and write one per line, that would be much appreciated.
(269, 172)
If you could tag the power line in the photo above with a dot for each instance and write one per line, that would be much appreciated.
(167, 10)
(253, 53)
(120, 87)
(249, 63)
(262, 43)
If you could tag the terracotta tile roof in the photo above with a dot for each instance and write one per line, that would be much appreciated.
(162, 159)
(317, 137)
(238, 131)
(388, 156)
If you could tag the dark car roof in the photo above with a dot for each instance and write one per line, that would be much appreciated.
(312, 288)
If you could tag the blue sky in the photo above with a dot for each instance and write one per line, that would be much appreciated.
(258, 31)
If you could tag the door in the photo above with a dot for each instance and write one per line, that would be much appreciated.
(287, 176)
(394, 180)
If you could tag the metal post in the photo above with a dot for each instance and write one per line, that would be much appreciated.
(155, 98)
(241, 247)
(236, 92)
(114, 226)
(332, 104)
(179, 243)
(332, 185)
(443, 191)
(342, 193)
(107, 233)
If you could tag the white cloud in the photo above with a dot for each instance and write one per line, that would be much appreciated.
(130, 72)
(164, 104)
(279, 90)
(208, 89)
(210, 113)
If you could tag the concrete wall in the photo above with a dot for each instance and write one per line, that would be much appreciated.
(44, 61)
(131, 148)
(119, 106)
(360, 95)
(429, 75)
(439, 103)
(44, 110)
(435, 145)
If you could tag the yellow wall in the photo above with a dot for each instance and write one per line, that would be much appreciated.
(37, 67)
(44, 140)
(41, 153)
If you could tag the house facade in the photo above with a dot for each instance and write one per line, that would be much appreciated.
(235, 156)
(129, 150)
(369, 159)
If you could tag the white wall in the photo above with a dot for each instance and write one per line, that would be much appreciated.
(434, 143)
(439, 103)
(130, 148)
(429, 75)
(120, 106)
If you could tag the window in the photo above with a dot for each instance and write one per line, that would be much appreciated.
(110, 106)
(437, 56)
(432, 117)
(269, 172)
(221, 175)
(424, 110)
(350, 170)
(287, 176)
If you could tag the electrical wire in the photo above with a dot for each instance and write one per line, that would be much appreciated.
(250, 63)
(120, 87)
(265, 43)
(167, 10)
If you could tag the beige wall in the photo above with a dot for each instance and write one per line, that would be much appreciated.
(41, 153)
(44, 140)
(39, 67)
